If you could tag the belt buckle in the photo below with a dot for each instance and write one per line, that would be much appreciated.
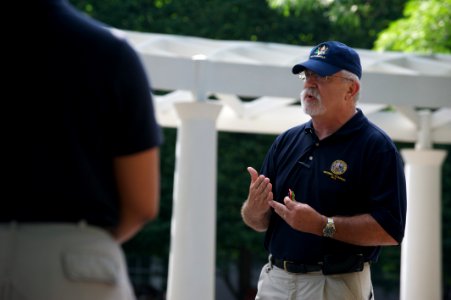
(285, 265)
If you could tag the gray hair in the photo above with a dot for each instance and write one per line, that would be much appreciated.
(355, 78)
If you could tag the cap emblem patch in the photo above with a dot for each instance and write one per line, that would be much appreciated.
(320, 52)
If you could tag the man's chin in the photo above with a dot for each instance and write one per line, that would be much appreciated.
(312, 111)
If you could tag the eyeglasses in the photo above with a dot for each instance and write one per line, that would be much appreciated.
(307, 74)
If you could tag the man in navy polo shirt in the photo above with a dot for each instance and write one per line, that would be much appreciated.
(330, 192)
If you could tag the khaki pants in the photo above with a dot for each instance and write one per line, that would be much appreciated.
(61, 262)
(277, 284)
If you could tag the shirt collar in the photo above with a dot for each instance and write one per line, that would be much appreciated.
(353, 125)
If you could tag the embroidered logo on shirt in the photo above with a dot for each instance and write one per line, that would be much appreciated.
(337, 169)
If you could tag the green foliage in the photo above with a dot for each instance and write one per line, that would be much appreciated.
(236, 243)
(354, 22)
(425, 28)
(237, 151)
(301, 22)
(230, 20)
(386, 272)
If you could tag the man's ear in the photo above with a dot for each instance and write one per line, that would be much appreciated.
(353, 89)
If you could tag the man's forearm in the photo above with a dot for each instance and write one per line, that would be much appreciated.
(361, 230)
(257, 221)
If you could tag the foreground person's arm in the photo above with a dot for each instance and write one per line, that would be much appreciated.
(138, 181)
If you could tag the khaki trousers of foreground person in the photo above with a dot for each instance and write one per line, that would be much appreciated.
(42, 261)
(277, 284)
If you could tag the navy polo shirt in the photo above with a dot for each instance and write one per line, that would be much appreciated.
(88, 101)
(356, 170)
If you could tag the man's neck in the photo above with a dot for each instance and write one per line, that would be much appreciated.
(326, 125)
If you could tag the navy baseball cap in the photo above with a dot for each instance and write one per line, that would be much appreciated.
(329, 58)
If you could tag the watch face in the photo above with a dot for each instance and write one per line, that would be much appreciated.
(329, 229)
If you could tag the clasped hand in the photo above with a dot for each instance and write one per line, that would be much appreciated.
(298, 215)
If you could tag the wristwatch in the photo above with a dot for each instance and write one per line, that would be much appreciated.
(329, 229)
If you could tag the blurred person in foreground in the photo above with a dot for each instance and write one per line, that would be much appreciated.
(92, 175)
(330, 192)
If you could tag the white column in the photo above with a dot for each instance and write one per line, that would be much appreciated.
(421, 250)
(193, 227)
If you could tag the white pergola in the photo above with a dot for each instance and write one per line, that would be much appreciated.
(407, 95)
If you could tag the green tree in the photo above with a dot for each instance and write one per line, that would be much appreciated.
(298, 22)
(238, 246)
(354, 22)
(425, 28)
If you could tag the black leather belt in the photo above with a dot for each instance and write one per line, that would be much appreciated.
(332, 264)
(294, 267)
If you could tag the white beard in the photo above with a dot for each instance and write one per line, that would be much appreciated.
(312, 108)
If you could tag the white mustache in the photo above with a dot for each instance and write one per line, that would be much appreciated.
(310, 92)
(312, 108)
